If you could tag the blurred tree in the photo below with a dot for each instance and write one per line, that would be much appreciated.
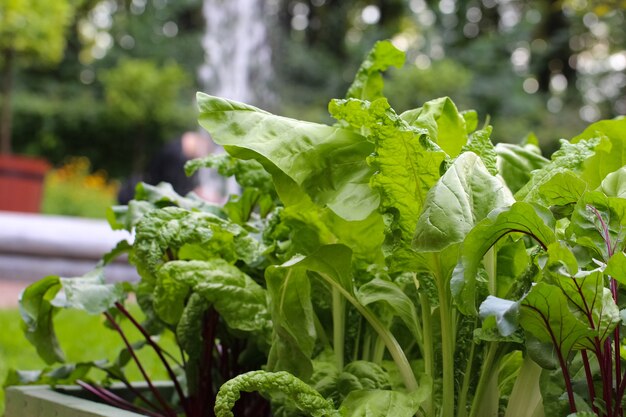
(142, 98)
(31, 32)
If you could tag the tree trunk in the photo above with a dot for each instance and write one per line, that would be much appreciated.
(6, 83)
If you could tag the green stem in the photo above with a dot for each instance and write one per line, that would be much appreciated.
(486, 375)
(379, 351)
(339, 323)
(462, 402)
(489, 261)
(448, 335)
(396, 352)
(428, 349)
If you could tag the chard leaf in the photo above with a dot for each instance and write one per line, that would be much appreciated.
(405, 169)
(327, 163)
(598, 223)
(280, 384)
(614, 184)
(562, 188)
(506, 313)
(382, 403)
(463, 196)
(610, 154)
(545, 313)
(293, 326)
(570, 156)
(172, 233)
(37, 313)
(593, 303)
(368, 82)
(616, 267)
(515, 163)
(379, 290)
(480, 143)
(89, 293)
(239, 300)
(521, 217)
(445, 125)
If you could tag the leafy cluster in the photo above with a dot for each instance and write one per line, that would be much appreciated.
(387, 265)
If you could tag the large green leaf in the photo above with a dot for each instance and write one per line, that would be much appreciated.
(614, 184)
(239, 300)
(368, 82)
(464, 195)
(521, 217)
(545, 313)
(445, 125)
(516, 163)
(327, 163)
(405, 169)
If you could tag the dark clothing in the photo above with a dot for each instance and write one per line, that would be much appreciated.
(168, 165)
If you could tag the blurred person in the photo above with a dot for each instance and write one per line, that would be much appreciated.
(168, 165)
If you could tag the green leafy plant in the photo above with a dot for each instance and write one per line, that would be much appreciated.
(388, 264)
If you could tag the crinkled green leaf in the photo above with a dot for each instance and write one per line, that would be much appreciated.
(545, 313)
(463, 196)
(290, 388)
(521, 217)
(248, 173)
(516, 163)
(239, 300)
(172, 233)
(368, 82)
(405, 169)
(570, 156)
(480, 143)
(327, 163)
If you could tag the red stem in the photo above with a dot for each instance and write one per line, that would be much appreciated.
(115, 400)
(166, 408)
(589, 377)
(159, 352)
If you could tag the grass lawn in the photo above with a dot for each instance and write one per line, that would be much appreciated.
(82, 337)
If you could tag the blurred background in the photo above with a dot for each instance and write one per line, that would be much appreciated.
(96, 87)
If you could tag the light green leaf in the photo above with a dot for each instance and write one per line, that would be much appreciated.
(610, 155)
(405, 169)
(379, 290)
(614, 184)
(327, 163)
(463, 196)
(506, 313)
(545, 313)
(562, 188)
(37, 313)
(521, 217)
(480, 143)
(382, 403)
(290, 388)
(239, 300)
(89, 293)
(368, 82)
(446, 126)
(616, 267)
(570, 157)
(515, 163)
(293, 326)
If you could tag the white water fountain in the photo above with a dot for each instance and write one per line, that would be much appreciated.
(237, 53)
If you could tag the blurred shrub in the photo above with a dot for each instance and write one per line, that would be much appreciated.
(74, 190)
